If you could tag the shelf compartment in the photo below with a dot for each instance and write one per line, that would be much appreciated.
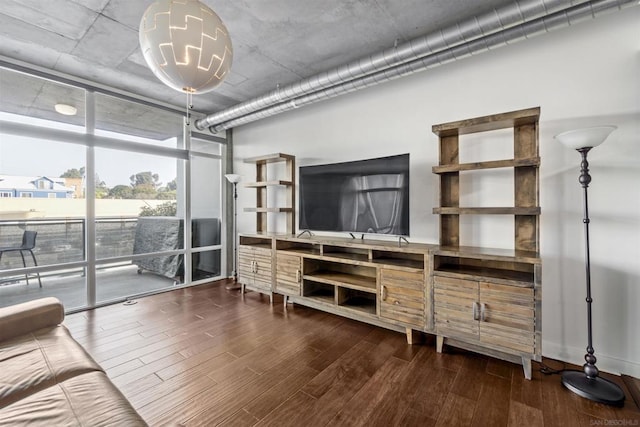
(487, 211)
(360, 301)
(489, 254)
(298, 248)
(515, 273)
(318, 291)
(255, 242)
(494, 164)
(412, 261)
(480, 273)
(360, 254)
(345, 280)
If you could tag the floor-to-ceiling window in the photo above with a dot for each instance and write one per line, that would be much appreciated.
(123, 202)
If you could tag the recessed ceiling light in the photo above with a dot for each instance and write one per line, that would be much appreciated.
(66, 109)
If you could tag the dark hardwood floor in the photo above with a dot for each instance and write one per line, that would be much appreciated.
(205, 356)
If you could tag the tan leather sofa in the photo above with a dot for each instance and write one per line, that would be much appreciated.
(47, 378)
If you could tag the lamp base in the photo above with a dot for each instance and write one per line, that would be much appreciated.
(233, 286)
(597, 389)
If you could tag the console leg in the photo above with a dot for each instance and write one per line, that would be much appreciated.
(413, 337)
(284, 301)
(526, 366)
(439, 343)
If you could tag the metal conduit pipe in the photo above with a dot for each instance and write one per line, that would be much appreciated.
(519, 12)
(541, 25)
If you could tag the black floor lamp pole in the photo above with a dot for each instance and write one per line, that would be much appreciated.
(234, 179)
(235, 224)
(588, 383)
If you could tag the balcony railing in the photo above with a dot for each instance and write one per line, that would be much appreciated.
(62, 240)
(60, 253)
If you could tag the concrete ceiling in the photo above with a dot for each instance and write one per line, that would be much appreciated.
(276, 42)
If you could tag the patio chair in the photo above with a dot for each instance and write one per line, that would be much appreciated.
(28, 244)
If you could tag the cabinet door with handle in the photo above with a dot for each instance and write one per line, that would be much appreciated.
(402, 297)
(245, 264)
(507, 316)
(262, 269)
(288, 273)
(456, 307)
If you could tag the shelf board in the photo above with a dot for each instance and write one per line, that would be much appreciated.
(351, 281)
(483, 273)
(325, 298)
(508, 163)
(487, 211)
(359, 259)
(262, 184)
(269, 158)
(361, 305)
(263, 210)
(300, 251)
(493, 254)
(405, 264)
(488, 123)
(257, 245)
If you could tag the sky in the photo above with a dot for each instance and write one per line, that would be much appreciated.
(32, 157)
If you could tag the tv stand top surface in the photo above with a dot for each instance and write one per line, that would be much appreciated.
(366, 243)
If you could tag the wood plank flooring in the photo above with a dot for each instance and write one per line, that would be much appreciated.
(206, 356)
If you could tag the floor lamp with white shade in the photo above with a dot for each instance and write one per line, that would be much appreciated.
(234, 179)
(587, 383)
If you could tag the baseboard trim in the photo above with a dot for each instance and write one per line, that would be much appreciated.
(605, 363)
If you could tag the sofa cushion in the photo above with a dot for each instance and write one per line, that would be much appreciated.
(86, 400)
(29, 316)
(36, 360)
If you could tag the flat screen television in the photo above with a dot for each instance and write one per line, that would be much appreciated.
(366, 196)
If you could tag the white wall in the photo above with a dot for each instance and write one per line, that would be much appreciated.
(583, 75)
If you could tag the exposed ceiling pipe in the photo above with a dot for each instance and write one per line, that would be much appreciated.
(541, 25)
(549, 22)
(497, 20)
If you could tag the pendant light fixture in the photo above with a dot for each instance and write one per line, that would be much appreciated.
(186, 45)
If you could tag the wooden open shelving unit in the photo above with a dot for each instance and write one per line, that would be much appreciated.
(263, 184)
(255, 260)
(489, 300)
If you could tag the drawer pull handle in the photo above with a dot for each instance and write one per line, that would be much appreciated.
(475, 310)
(483, 311)
(298, 276)
(384, 293)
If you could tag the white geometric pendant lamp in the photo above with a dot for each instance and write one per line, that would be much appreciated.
(186, 45)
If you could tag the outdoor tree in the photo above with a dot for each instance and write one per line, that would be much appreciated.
(168, 192)
(74, 173)
(144, 191)
(164, 209)
(121, 192)
(145, 178)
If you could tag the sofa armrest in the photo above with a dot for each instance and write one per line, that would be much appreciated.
(30, 316)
